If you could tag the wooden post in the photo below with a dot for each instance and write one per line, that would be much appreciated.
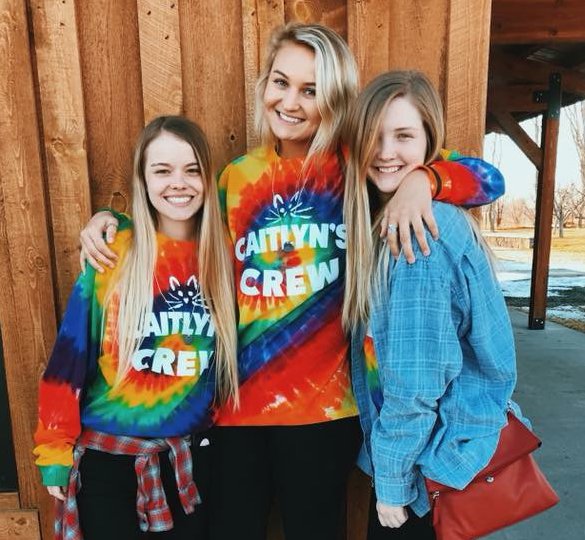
(544, 204)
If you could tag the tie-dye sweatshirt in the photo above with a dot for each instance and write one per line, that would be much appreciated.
(170, 386)
(287, 229)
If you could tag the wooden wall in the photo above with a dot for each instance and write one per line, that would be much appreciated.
(80, 78)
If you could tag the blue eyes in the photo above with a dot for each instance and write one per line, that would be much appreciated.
(163, 172)
(282, 83)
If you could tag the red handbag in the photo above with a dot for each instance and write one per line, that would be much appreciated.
(509, 489)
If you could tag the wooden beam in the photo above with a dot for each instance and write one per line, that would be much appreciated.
(514, 98)
(213, 84)
(61, 105)
(160, 58)
(520, 137)
(515, 68)
(109, 49)
(544, 208)
(258, 21)
(537, 21)
(27, 302)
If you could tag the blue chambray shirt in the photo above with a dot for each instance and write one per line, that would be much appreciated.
(447, 367)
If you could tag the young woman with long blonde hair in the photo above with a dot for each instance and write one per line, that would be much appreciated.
(433, 364)
(296, 432)
(142, 352)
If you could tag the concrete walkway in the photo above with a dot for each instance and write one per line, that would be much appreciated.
(551, 392)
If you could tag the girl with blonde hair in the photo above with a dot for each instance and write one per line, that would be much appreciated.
(296, 432)
(433, 363)
(141, 353)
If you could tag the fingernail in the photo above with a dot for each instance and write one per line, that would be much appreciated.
(426, 252)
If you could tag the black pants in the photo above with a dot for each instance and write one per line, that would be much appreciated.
(107, 498)
(305, 466)
(414, 528)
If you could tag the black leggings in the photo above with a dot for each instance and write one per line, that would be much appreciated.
(107, 498)
(414, 528)
(305, 466)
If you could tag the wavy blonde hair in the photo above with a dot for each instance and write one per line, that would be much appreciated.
(367, 256)
(336, 82)
(133, 283)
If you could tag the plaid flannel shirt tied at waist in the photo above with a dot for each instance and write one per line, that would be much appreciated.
(151, 503)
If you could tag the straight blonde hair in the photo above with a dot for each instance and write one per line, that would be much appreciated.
(368, 258)
(336, 83)
(133, 282)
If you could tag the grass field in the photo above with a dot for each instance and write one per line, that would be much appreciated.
(569, 249)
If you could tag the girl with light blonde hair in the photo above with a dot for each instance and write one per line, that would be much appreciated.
(296, 432)
(433, 364)
(142, 353)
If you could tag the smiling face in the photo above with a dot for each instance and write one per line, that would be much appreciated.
(402, 141)
(290, 103)
(174, 184)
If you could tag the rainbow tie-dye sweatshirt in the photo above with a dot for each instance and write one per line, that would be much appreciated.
(170, 387)
(286, 224)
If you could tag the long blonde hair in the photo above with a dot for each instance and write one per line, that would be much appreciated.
(336, 82)
(133, 283)
(367, 256)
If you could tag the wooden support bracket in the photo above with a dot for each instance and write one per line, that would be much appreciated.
(513, 129)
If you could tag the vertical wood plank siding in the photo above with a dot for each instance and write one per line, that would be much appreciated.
(259, 17)
(466, 74)
(213, 73)
(112, 90)
(160, 57)
(61, 106)
(75, 97)
(27, 303)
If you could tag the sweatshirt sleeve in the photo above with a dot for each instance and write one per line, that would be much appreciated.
(422, 355)
(73, 358)
(464, 181)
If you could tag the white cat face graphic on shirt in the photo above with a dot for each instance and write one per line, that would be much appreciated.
(188, 295)
(293, 207)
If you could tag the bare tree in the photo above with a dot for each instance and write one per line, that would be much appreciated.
(578, 205)
(562, 207)
(537, 136)
(518, 212)
(492, 209)
(499, 206)
(576, 116)
(529, 211)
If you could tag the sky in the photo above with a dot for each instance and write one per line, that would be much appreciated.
(519, 171)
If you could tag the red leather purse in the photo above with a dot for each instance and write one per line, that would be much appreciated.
(509, 489)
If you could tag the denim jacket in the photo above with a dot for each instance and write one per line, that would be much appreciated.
(447, 367)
